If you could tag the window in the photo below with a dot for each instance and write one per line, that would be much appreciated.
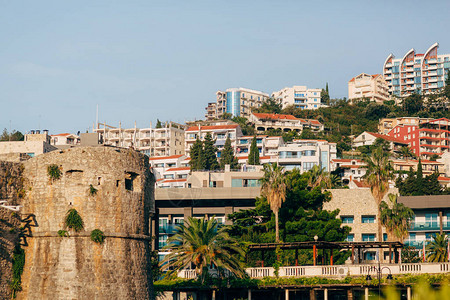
(385, 237)
(370, 255)
(368, 237)
(308, 166)
(347, 219)
(350, 237)
(162, 241)
(368, 219)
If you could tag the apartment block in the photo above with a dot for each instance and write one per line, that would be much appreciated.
(299, 96)
(267, 145)
(34, 143)
(168, 140)
(239, 102)
(219, 133)
(387, 124)
(265, 121)
(416, 72)
(368, 138)
(371, 87)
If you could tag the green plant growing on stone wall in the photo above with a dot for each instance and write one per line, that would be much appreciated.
(97, 236)
(17, 270)
(63, 233)
(92, 190)
(73, 220)
(53, 172)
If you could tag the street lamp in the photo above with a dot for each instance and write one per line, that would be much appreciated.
(379, 271)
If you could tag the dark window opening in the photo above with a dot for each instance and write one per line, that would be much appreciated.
(129, 180)
(117, 183)
(99, 180)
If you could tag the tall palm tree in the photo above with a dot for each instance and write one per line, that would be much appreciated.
(406, 152)
(273, 187)
(437, 249)
(202, 243)
(378, 174)
(396, 217)
(319, 177)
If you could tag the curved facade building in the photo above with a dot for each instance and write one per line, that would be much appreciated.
(424, 72)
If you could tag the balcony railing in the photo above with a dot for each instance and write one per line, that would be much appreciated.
(426, 226)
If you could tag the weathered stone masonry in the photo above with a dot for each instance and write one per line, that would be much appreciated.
(75, 267)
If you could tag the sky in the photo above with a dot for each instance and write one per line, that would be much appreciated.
(145, 60)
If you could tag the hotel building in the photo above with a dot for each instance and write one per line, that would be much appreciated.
(416, 72)
(299, 96)
(371, 87)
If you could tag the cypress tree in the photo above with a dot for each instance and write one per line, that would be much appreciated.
(197, 156)
(227, 157)
(253, 156)
(210, 151)
(158, 123)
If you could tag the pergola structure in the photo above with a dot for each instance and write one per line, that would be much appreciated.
(355, 247)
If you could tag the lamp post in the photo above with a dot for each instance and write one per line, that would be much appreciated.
(379, 271)
(315, 249)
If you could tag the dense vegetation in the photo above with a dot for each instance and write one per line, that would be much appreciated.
(11, 136)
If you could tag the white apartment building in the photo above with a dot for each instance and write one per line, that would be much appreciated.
(168, 140)
(239, 102)
(267, 145)
(371, 87)
(299, 96)
(305, 154)
(416, 72)
(219, 133)
(64, 139)
(350, 169)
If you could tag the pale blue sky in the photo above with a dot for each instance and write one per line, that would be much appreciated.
(142, 60)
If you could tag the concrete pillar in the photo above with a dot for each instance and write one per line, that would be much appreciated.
(408, 293)
(325, 294)
(441, 219)
(286, 293)
(228, 211)
(187, 213)
(366, 293)
(213, 295)
(312, 294)
(249, 295)
(350, 294)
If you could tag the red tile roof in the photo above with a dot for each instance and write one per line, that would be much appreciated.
(165, 157)
(387, 138)
(62, 134)
(175, 180)
(442, 178)
(360, 184)
(178, 169)
(274, 116)
(345, 160)
(316, 122)
(215, 127)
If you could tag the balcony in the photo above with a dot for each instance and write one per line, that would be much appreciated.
(168, 229)
(424, 226)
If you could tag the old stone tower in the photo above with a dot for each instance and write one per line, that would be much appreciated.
(75, 267)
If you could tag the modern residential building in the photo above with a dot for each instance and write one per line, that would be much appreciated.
(219, 133)
(386, 124)
(424, 72)
(267, 145)
(168, 140)
(265, 121)
(431, 216)
(160, 164)
(371, 87)
(349, 169)
(299, 96)
(428, 138)
(239, 102)
(305, 154)
(34, 143)
(428, 166)
(64, 139)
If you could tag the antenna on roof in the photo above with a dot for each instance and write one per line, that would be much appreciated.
(96, 119)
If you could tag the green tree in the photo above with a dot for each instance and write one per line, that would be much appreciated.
(325, 96)
(413, 103)
(227, 156)
(11, 136)
(406, 152)
(378, 174)
(203, 243)
(318, 177)
(227, 116)
(253, 156)
(246, 127)
(158, 123)
(269, 106)
(446, 91)
(197, 154)
(273, 188)
(437, 248)
(210, 151)
(396, 217)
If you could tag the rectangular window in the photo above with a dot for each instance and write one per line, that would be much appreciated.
(368, 219)
(347, 219)
(368, 237)
(350, 237)
(385, 237)
(370, 255)
(236, 182)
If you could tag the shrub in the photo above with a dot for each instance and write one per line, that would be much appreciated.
(73, 220)
(92, 190)
(97, 236)
(63, 233)
(53, 172)
(17, 270)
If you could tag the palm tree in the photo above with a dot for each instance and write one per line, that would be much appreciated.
(319, 177)
(273, 187)
(202, 243)
(396, 218)
(378, 174)
(437, 249)
(406, 152)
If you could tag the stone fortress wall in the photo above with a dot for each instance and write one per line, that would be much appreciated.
(75, 267)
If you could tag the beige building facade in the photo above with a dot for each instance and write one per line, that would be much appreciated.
(33, 144)
(299, 96)
(365, 86)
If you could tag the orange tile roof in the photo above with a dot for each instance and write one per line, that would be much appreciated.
(274, 116)
(442, 178)
(387, 138)
(195, 128)
(62, 134)
(360, 184)
(178, 169)
(165, 157)
(175, 180)
(315, 122)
